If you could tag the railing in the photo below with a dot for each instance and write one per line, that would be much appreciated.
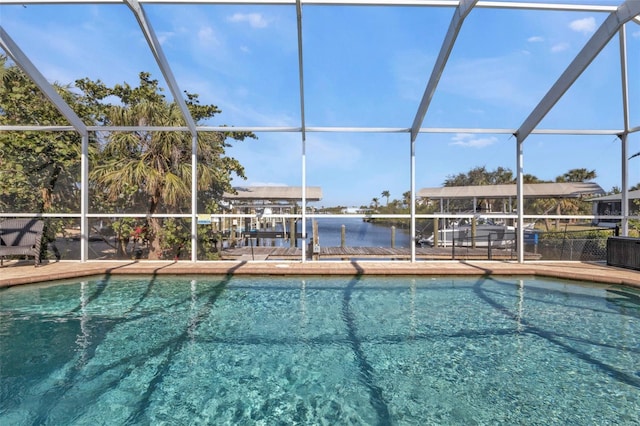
(106, 241)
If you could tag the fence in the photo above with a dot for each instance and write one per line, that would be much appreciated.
(588, 245)
(573, 245)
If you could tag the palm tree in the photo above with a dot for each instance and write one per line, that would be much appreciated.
(158, 164)
(375, 202)
(386, 194)
(406, 198)
(575, 205)
(577, 175)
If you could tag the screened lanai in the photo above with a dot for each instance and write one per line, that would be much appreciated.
(361, 98)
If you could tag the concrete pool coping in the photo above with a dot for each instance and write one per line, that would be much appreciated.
(23, 272)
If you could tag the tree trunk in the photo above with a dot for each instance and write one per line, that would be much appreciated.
(121, 245)
(153, 232)
(47, 191)
(155, 246)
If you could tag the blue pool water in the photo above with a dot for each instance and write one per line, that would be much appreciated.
(326, 350)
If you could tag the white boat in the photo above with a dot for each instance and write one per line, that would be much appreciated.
(486, 234)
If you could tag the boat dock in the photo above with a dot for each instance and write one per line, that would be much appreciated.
(347, 253)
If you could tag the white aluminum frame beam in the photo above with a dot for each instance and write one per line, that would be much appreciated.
(622, 35)
(461, 12)
(161, 59)
(611, 25)
(19, 57)
(540, 5)
(158, 53)
(314, 129)
(623, 14)
(303, 131)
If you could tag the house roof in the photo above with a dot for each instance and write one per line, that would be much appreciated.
(531, 190)
(632, 195)
(274, 193)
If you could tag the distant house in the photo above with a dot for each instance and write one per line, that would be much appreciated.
(611, 205)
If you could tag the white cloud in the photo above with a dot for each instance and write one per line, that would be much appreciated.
(535, 39)
(585, 25)
(207, 36)
(255, 20)
(472, 141)
(163, 37)
(636, 34)
(560, 47)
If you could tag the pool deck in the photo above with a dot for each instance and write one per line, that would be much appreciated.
(23, 272)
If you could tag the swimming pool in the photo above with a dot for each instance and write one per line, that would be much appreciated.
(326, 350)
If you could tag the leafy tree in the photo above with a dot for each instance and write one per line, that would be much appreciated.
(38, 170)
(157, 165)
(143, 171)
(564, 205)
(481, 176)
(478, 176)
(528, 178)
(577, 175)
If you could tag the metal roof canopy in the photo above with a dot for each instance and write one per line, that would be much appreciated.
(531, 190)
(631, 195)
(274, 193)
(612, 25)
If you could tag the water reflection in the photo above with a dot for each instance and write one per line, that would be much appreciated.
(83, 338)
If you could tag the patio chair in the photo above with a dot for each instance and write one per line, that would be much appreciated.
(21, 237)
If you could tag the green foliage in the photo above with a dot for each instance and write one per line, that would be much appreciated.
(594, 234)
(481, 176)
(209, 242)
(38, 170)
(175, 240)
(126, 231)
(402, 206)
(142, 171)
(577, 175)
(156, 165)
(478, 176)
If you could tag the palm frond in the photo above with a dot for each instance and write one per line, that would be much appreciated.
(174, 189)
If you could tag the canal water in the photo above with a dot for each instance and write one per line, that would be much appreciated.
(358, 233)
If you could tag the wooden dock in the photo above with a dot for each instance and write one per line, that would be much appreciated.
(349, 253)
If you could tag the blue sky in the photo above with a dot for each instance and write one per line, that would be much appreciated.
(363, 67)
